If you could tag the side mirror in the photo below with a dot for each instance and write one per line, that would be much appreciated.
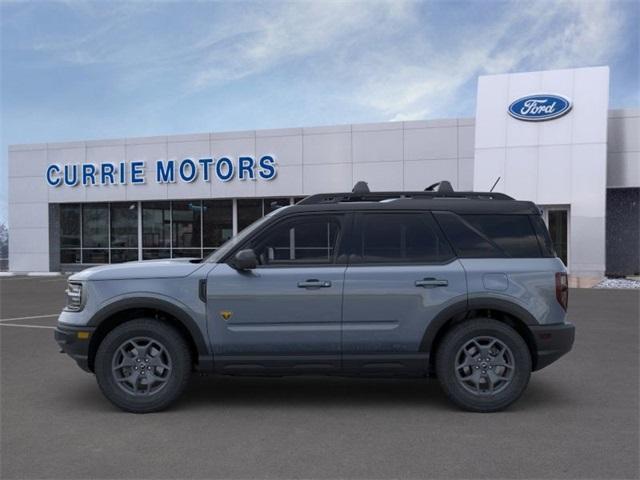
(245, 260)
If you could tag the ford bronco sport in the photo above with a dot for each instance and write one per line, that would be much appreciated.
(461, 285)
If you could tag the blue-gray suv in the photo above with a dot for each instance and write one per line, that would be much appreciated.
(465, 286)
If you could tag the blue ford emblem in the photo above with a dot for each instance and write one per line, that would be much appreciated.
(536, 108)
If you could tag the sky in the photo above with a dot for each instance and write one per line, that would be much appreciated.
(75, 70)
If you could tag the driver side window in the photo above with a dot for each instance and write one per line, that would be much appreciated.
(304, 240)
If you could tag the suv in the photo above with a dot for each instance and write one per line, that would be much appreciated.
(461, 285)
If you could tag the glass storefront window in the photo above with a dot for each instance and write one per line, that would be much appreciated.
(95, 225)
(156, 224)
(155, 253)
(70, 255)
(249, 210)
(217, 223)
(124, 225)
(69, 226)
(108, 232)
(95, 255)
(271, 204)
(124, 255)
(186, 226)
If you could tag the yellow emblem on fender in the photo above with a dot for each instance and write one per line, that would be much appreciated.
(226, 314)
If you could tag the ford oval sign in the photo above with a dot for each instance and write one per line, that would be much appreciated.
(536, 108)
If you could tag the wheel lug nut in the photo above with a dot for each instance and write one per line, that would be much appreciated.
(484, 371)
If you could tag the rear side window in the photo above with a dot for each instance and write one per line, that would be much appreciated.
(487, 236)
(400, 238)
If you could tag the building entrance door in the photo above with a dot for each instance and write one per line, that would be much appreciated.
(557, 220)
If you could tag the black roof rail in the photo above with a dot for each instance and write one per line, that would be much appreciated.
(361, 193)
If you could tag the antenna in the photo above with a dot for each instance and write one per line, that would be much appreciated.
(494, 185)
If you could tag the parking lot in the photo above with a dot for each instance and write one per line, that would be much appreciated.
(578, 418)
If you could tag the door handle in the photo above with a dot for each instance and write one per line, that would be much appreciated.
(431, 283)
(313, 283)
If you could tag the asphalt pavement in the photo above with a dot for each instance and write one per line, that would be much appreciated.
(577, 419)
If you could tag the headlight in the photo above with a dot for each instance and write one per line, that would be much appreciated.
(74, 297)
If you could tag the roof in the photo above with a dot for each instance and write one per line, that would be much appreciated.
(437, 197)
(456, 205)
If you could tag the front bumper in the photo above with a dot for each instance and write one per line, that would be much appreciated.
(73, 344)
(552, 342)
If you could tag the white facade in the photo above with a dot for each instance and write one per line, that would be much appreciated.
(561, 162)
(557, 162)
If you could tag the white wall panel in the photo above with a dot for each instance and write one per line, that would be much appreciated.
(326, 148)
(379, 175)
(623, 169)
(27, 163)
(431, 143)
(419, 174)
(521, 173)
(336, 177)
(287, 150)
(554, 175)
(377, 146)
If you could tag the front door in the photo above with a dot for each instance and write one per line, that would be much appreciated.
(402, 273)
(286, 313)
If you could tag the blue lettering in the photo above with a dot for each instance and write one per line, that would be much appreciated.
(206, 166)
(165, 174)
(53, 181)
(246, 165)
(137, 172)
(267, 168)
(106, 173)
(193, 171)
(68, 179)
(88, 173)
(224, 177)
(123, 173)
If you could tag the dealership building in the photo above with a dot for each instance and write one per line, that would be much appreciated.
(548, 137)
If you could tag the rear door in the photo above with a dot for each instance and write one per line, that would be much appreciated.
(401, 274)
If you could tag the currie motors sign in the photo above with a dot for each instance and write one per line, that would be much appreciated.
(536, 108)
(188, 170)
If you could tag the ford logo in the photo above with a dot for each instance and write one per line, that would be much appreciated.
(536, 108)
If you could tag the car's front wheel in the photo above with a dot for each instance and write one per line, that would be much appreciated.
(483, 365)
(143, 365)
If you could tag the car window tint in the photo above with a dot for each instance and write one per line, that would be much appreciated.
(303, 240)
(467, 241)
(400, 238)
(544, 240)
(514, 234)
(490, 235)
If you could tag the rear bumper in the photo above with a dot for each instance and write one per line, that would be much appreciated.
(552, 342)
(66, 337)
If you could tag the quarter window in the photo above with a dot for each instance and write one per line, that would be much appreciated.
(400, 238)
(490, 236)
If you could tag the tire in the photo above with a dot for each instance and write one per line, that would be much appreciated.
(143, 365)
(472, 382)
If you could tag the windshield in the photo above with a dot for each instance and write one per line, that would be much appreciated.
(226, 247)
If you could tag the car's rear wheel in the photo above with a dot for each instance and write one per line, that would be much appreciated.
(143, 365)
(483, 365)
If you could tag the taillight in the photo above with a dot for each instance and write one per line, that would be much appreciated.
(562, 289)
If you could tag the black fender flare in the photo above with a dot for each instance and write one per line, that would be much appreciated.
(459, 309)
(185, 319)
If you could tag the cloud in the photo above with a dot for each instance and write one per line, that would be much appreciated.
(533, 36)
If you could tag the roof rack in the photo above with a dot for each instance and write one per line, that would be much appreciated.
(361, 193)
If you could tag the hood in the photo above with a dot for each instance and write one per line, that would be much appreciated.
(165, 268)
